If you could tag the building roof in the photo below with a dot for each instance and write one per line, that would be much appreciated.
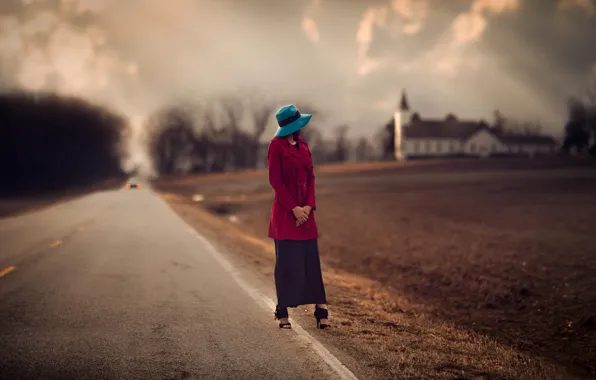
(452, 128)
(526, 139)
(441, 129)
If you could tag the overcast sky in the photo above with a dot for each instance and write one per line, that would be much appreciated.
(349, 58)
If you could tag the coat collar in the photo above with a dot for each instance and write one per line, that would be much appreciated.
(299, 153)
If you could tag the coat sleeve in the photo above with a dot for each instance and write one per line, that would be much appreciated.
(310, 189)
(275, 178)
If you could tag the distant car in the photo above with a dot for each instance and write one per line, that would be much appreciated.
(133, 185)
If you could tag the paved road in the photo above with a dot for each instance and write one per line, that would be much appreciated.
(114, 286)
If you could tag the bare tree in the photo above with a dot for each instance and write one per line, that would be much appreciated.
(236, 133)
(499, 122)
(589, 101)
(341, 149)
(577, 128)
(227, 135)
(499, 119)
(364, 150)
(170, 139)
(385, 140)
(232, 148)
(511, 126)
(580, 128)
(203, 150)
(260, 111)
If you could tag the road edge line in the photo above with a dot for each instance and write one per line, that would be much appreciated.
(267, 303)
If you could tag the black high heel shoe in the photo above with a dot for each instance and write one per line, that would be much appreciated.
(321, 313)
(282, 314)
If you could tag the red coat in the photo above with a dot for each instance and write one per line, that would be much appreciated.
(292, 177)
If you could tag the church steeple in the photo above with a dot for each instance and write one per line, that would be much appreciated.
(404, 106)
(401, 122)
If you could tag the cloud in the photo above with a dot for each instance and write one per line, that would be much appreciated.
(82, 6)
(470, 26)
(400, 17)
(72, 57)
(31, 2)
(585, 5)
(10, 41)
(467, 28)
(495, 6)
(68, 58)
(41, 23)
(309, 26)
(373, 17)
(457, 49)
(413, 13)
(344, 57)
(310, 29)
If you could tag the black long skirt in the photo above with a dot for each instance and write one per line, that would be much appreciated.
(298, 277)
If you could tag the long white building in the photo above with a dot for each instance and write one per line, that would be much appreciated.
(417, 137)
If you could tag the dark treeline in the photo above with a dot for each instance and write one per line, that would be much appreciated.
(227, 134)
(207, 138)
(580, 130)
(51, 143)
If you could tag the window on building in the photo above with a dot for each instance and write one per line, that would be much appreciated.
(473, 147)
(451, 147)
(427, 146)
(416, 146)
(438, 146)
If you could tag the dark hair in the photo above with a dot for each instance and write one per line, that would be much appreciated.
(296, 134)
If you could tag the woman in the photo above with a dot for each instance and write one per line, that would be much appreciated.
(298, 277)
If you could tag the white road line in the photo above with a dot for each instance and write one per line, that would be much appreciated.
(267, 303)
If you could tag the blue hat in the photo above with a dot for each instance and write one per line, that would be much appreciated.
(290, 120)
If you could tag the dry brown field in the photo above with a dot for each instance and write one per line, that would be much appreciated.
(443, 269)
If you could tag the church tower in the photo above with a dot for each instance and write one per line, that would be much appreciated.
(401, 120)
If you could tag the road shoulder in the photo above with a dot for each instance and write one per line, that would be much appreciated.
(370, 322)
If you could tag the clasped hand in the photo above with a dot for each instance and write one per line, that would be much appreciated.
(301, 214)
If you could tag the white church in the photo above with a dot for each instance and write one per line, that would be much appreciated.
(416, 137)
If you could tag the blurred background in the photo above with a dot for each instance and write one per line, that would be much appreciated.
(192, 86)
(453, 142)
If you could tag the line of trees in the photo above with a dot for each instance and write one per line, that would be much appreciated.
(208, 137)
(51, 143)
(580, 129)
(227, 134)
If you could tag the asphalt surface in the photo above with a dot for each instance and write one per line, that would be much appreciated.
(114, 286)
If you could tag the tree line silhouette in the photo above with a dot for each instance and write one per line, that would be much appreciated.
(227, 134)
(580, 129)
(51, 143)
(183, 138)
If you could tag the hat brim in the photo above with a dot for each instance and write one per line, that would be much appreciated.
(293, 126)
